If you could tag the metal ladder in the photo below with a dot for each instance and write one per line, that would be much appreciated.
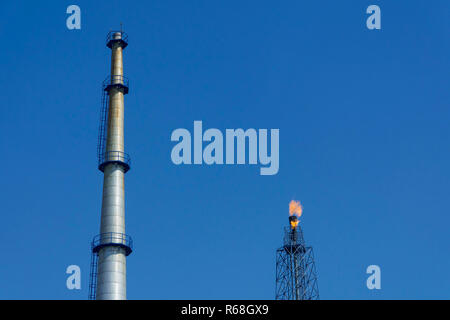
(101, 144)
(93, 276)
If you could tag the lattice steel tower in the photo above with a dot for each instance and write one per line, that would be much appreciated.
(296, 277)
(111, 247)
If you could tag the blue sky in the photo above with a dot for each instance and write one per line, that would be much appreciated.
(364, 135)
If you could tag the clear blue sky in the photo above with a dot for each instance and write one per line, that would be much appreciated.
(364, 144)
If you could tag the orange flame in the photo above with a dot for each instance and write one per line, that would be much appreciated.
(295, 208)
(294, 224)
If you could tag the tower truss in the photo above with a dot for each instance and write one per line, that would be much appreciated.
(296, 276)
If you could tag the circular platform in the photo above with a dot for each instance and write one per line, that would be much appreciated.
(114, 239)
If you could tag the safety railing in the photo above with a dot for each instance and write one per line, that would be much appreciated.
(114, 36)
(293, 236)
(116, 81)
(118, 157)
(112, 239)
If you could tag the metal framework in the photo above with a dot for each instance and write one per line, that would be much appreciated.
(296, 277)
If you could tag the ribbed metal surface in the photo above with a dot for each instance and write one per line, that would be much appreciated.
(112, 279)
(111, 271)
(113, 204)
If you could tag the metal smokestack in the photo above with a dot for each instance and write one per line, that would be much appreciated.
(112, 245)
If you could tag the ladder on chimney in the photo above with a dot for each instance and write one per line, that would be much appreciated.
(93, 276)
(101, 144)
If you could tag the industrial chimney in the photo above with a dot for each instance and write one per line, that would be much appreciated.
(111, 247)
(296, 277)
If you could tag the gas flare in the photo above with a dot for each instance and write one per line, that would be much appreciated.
(295, 210)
